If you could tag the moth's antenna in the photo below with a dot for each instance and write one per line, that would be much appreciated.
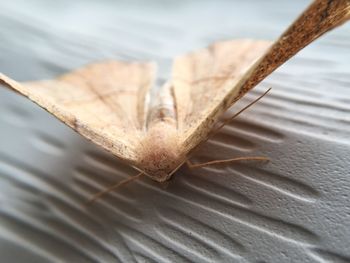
(114, 187)
(237, 159)
(238, 113)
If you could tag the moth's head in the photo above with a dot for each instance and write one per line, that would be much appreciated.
(159, 176)
(159, 154)
(160, 162)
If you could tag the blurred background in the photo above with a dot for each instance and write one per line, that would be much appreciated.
(293, 209)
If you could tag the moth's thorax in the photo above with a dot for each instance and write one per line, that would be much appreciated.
(159, 152)
(162, 108)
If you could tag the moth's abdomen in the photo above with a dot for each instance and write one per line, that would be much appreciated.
(163, 108)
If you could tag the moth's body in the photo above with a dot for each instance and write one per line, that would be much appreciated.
(159, 151)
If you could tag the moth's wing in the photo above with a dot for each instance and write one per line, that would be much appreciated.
(201, 96)
(203, 79)
(319, 18)
(105, 102)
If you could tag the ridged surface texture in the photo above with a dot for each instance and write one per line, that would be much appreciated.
(295, 208)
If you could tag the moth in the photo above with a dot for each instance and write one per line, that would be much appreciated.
(110, 103)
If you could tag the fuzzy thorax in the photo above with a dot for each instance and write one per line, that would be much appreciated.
(159, 153)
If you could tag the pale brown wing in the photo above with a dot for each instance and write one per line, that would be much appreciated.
(320, 17)
(105, 102)
(202, 79)
(201, 96)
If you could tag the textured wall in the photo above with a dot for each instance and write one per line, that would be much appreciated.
(294, 209)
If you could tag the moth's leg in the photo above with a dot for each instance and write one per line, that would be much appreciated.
(114, 187)
(248, 158)
(215, 131)
(238, 113)
(189, 164)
